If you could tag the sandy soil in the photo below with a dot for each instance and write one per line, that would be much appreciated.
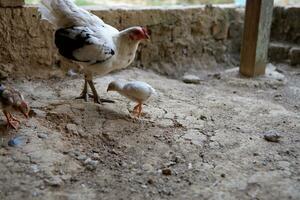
(195, 141)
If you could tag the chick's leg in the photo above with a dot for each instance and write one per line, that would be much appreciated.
(140, 110)
(11, 121)
(137, 110)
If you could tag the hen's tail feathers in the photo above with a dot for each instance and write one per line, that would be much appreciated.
(65, 13)
(57, 12)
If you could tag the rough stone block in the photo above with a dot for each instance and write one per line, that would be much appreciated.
(278, 52)
(295, 56)
(11, 3)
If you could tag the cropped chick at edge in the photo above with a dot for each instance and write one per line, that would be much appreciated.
(12, 100)
(136, 91)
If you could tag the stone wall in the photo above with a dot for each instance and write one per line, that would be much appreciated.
(285, 35)
(182, 39)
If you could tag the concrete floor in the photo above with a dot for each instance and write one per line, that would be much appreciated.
(195, 141)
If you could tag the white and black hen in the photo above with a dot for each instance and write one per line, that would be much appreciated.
(85, 38)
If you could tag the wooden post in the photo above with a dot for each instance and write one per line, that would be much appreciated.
(257, 27)
(12, 3)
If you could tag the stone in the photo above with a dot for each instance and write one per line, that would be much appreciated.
(82, 157)
(72, 73)
(166, 172)
(72, 128)
(43, 135)
(278, 52)
(54, 181)
(37, 113)
(34, 168)
(195, 137)
(150, 181)
(272, 136)
(91, 164)
(12, 3)
(17, 141)
(191, 79)
(294, 56)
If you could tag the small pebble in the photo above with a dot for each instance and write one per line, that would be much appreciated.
(166, 172)
(72, 73)
(150, 181)
(17, 141)
(202, 117)
(272, 136)
(43, 135)
(191, 79)
(91, 164)
(217, 76)
(82, 157)
(144, 186)
(54, 181)
(72, 128)
(223, 175)
(34, 168)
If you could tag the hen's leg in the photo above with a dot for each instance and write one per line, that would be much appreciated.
(84, 94)
(11, 121)
(95, 94)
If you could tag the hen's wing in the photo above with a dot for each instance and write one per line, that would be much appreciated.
(83, 44)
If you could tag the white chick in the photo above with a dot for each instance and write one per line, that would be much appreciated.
(136, 91)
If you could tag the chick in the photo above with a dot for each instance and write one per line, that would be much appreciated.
(12, 100)
(136, 91)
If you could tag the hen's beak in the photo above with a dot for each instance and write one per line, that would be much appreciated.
(146, 34)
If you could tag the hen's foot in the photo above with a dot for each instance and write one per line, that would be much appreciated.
(99, 100)
(12, 123)
(84, 97)
(96, 96)
(14, 119)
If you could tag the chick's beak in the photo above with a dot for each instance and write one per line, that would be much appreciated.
(25, 109)
(26, 114)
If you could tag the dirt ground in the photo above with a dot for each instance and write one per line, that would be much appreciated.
(195, 141)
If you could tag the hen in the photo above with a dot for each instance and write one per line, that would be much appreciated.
(136, 91)
(85, 38)
(10, 100)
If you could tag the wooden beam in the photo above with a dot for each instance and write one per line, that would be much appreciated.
(257, 28)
